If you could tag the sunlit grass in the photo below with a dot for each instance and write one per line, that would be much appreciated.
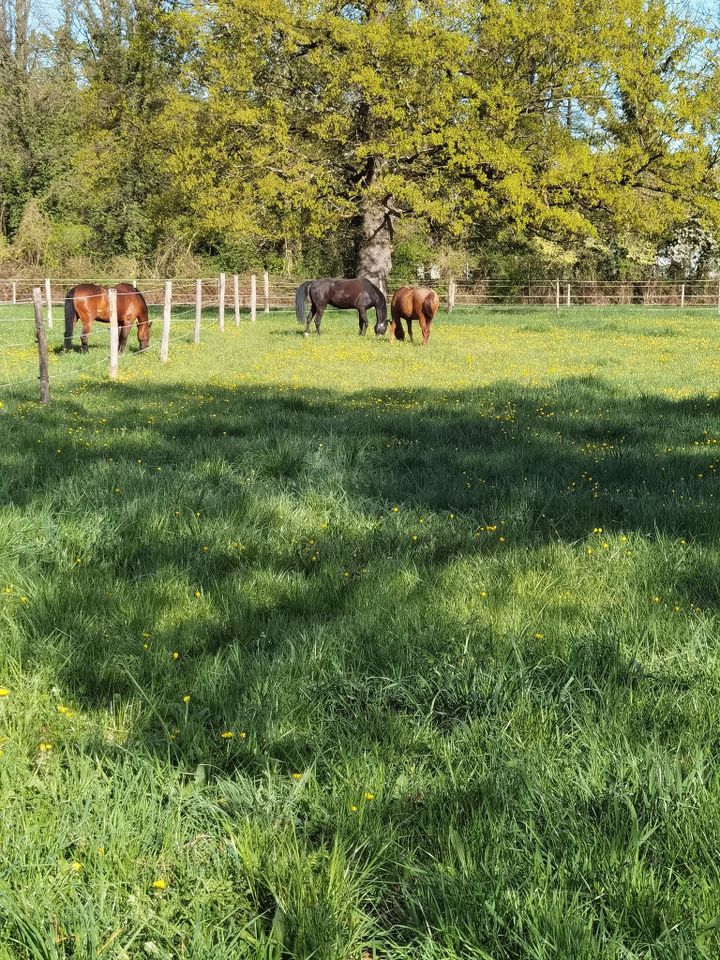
(331, 646)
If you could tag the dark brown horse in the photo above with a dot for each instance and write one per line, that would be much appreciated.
(413, 303)
(358, 294)
(88, 301)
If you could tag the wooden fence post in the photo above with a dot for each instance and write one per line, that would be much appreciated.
(451, 295)
(112, 301)
(42, 346)
(682, 296)
(221, 305)
(14, 292)
(253, 297)
(198, 311)
(266, 290)
(165, 342)
(48, 298)
(557, 295)
(568, 294)
(236, 298)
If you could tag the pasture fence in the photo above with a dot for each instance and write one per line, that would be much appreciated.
(278, 293)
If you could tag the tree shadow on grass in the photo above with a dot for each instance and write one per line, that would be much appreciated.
(311, 570)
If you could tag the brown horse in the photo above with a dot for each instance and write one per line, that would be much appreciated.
(413, 303)
(88, 301)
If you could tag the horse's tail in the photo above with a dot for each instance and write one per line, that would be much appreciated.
(70, 315)
(430, 305)
(300, 298)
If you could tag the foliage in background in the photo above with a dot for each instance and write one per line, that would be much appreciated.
(538, 135)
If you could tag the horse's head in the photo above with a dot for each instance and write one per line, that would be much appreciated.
(380, 316)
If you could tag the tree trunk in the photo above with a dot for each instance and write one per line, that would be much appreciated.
(374, 251)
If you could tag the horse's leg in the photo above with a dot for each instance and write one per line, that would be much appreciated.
(123, 333)
(318, 319)
(363, 320)
(86, 327)
(311, 315)
(409, 323)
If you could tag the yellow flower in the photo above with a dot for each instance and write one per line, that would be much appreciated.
(44, 747)
(501, 539)
(176, 655)
(186, 698)
(159, 884)
(4, 692)
(101, 851)
(297, 776)
(198, 594)
(395, 508)
(539, 636)
(65, 711)
(76, 866)
(227, 734)
(369, 796)
(353, 808)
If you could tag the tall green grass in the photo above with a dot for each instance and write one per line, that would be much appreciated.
(447, 620)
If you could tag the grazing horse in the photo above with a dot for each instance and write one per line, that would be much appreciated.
(413, 303)
(358, 294)
(88, 301)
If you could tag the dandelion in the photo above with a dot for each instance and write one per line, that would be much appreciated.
(159, 884)
(65, 711)
(4, 692)
(44, 747)
(296, 776)
(227, 734)
(656, 599)
(597, 529)
(197, 594)
(176, 655)
(606, 546)
(186, 698)
(538, 636)
(353, 808)
(501, 539)
(76, 866)
(101, 851)
(395, 509)
(369, 796)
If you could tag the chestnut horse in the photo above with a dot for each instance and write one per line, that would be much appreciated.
(413, 303)
(358, 294)
(88, 301)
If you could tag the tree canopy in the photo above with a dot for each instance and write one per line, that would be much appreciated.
(329, 136)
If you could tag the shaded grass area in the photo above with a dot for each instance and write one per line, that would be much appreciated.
(450, 653)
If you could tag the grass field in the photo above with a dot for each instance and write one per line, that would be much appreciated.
(338, 648)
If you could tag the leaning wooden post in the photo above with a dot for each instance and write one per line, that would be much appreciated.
(236, 298)
(42, 346)
(165, 342)
(557, 295)
(112, 302)
(48, 298)
(568, 294)
(221, 304)
(253, 297)
(266, 290)
(14, 292)
(451, 296)
(682, 296)
(198, 311)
